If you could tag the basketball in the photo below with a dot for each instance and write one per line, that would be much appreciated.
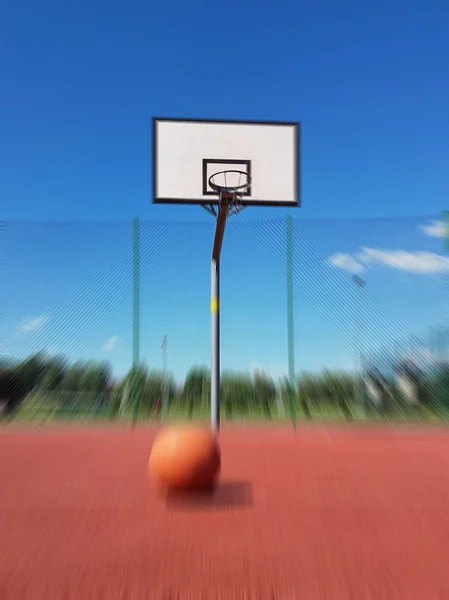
(185, 458)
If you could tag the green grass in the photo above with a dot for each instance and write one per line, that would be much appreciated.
(43, 409)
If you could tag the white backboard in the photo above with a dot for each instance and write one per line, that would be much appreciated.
(186, 152)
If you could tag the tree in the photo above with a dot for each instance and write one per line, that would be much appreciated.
(338, 389)
(154, 388)
(54, 375)
(17, 380)
(73, 377)
(264, 392)
(237, 393)
(196, 388)
(308, 386)
(136, 384)
(95, 377)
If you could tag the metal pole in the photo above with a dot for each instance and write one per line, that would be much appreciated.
(136, 318)
(215, 339)
(215, 317)
(290, 321)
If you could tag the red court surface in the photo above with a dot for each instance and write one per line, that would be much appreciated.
(323, 513)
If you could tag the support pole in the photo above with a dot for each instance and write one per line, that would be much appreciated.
(215, 316)
(290, 322)
(215, 339)
(136, 319)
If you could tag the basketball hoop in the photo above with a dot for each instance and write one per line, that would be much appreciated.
(230, 186)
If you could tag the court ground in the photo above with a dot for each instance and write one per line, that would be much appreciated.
(323, 513)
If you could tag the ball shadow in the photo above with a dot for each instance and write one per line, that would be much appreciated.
(227, 494)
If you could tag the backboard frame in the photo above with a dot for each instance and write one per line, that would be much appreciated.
(212, 198)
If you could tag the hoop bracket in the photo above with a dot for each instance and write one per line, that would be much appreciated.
(210, 209)
(230, 186)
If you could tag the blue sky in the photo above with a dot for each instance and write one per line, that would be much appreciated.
(79, 87)
(70, 290)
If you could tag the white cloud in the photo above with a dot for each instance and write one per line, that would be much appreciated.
(111, 343)
(31, 324)
(401, 260)
(346, 262)
(436, 229)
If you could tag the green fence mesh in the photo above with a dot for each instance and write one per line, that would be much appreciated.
(343, 310)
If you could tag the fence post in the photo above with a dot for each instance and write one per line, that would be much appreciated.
(136, 319)
(290, 321)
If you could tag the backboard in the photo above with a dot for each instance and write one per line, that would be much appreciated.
(186, 152)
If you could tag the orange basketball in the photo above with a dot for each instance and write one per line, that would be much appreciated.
(185, 458)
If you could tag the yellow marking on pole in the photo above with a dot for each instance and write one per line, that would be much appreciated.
(214, 305)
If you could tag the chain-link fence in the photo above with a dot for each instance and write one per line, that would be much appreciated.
(100, 320)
